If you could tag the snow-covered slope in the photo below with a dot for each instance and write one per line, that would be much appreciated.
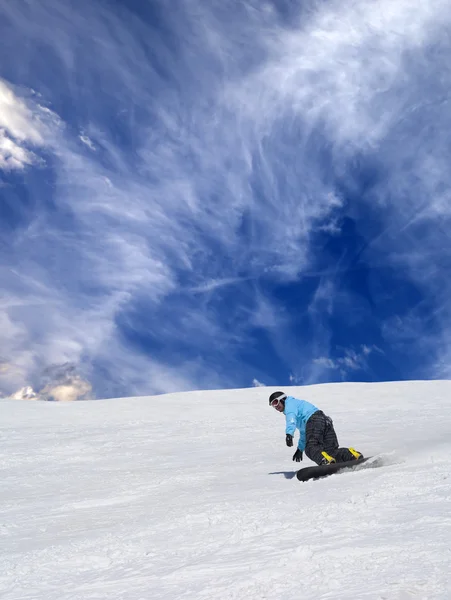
(183, 497)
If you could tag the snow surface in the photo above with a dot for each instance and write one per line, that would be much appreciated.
(184, 496)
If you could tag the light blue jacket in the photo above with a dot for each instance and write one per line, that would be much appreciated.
(297, 413)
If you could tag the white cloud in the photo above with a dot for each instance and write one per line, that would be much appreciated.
(85, 139)
(64, 385)
(344, 63)
(351, 359)
(74, 389)
(12, 156)
(325, 362)
(19, 129)
(25, 393)
(325, 296)
(17, 119)
(214, 284)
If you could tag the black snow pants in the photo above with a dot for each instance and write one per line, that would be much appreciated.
(321, 437)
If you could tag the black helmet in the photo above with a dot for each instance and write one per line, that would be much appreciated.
(277, 396)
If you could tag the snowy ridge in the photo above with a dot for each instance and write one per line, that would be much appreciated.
(176, 497)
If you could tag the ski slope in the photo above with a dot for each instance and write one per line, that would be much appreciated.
(183, 496)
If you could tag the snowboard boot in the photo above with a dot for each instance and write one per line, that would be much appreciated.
(327, 459)
(347, 454)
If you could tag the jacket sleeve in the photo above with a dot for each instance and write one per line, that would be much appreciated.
(291, 423)
(301, 442)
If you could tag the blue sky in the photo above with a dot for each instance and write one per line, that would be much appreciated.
(214, 194)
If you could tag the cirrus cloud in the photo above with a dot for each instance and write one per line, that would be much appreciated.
(188, 163)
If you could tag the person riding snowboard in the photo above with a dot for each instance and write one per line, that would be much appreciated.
(317, 437)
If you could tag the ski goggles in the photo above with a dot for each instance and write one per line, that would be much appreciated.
(277, 401)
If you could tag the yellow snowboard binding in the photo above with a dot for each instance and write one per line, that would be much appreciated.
(354, 453)
(327, 459)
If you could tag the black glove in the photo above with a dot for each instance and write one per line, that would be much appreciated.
(289, 440)
(297, 456)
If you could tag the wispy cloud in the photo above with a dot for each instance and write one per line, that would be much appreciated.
(85, 139)
(350, 360)
(180, 172)
(327, 363)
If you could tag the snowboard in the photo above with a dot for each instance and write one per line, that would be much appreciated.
(319, 471)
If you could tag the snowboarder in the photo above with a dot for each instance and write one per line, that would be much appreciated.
(317, 437)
